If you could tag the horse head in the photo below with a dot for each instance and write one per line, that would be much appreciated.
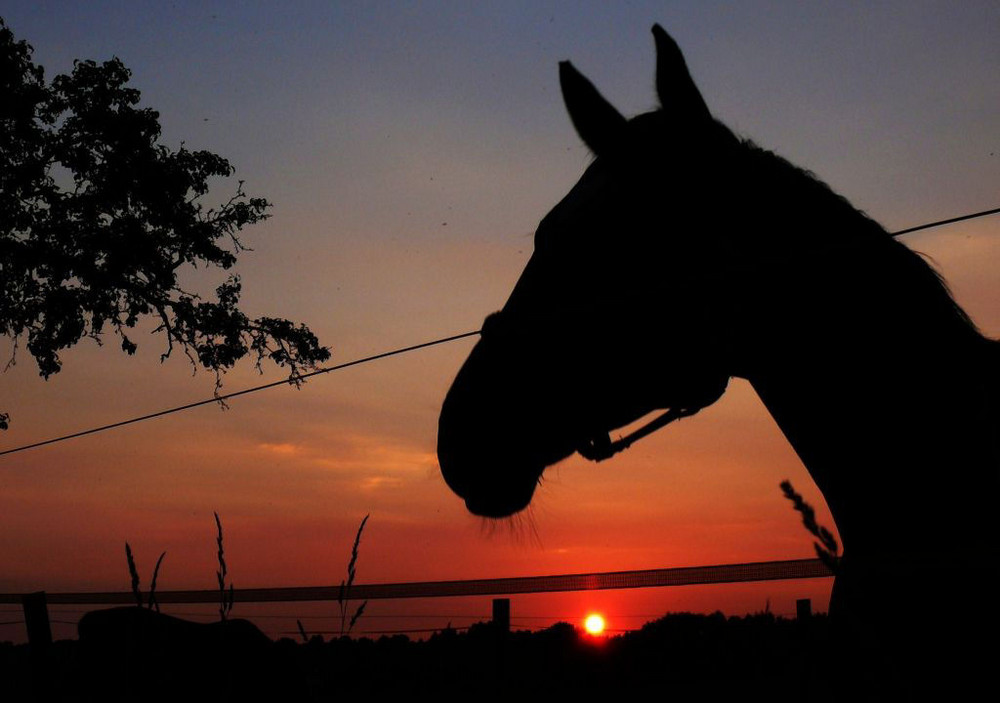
(685, 256)
(579, 349)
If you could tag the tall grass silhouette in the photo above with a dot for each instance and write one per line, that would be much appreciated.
(225, 599)
(826, 548)
(134, 574)
(345, 586)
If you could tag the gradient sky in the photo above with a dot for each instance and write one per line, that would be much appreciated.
(410, 149)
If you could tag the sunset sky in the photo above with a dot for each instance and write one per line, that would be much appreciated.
(410, 150)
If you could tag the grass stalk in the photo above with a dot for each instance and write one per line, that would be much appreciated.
(826, 548)
(134, 573)
(344, 595)
(153, 603)
(225, 600)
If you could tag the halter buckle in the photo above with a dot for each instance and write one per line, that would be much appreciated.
(601, 447)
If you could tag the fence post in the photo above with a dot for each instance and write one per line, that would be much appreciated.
(501, 614)
(36, 620)
(804, 626)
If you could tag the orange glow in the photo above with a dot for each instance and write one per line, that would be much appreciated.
(594, 624)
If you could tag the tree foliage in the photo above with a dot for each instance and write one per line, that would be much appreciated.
(97, 218)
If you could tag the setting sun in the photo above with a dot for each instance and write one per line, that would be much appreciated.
(594, 624)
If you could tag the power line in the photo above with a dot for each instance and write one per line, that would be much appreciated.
(949, 221)
(223, 398)
(403, 350)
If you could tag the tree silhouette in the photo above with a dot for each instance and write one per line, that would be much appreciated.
(97, 218)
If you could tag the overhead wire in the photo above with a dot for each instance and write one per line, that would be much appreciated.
(950, 220)
(403, 350)
(222, 398)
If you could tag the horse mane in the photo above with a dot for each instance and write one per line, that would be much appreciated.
(843, 232)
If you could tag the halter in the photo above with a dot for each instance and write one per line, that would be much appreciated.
(601, 446)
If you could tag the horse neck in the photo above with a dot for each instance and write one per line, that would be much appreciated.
(886, 399)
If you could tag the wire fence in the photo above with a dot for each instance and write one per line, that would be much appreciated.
(648, 578)
(326, 624)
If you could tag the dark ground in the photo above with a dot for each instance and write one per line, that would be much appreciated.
(680, 657)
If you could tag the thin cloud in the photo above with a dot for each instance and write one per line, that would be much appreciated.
(285, 448)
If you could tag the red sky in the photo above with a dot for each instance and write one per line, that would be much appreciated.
(409, 156)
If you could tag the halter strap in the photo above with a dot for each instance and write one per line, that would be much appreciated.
(601, 448)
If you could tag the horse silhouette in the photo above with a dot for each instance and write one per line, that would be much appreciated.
(685, 256)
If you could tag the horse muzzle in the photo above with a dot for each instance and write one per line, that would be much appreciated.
(490, 475)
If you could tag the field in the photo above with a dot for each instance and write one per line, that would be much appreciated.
(699, 657)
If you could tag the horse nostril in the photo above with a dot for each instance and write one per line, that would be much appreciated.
(491, 485)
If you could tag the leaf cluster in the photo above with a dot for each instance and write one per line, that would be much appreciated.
(97, 218)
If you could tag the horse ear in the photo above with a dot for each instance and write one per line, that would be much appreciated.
(596, 121)
(674, 85)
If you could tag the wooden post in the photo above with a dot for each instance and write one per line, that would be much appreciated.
(501, 614)
(804, 628)
(36, 620)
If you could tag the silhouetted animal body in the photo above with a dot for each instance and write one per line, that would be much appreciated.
(685, 256)
(132, 653)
